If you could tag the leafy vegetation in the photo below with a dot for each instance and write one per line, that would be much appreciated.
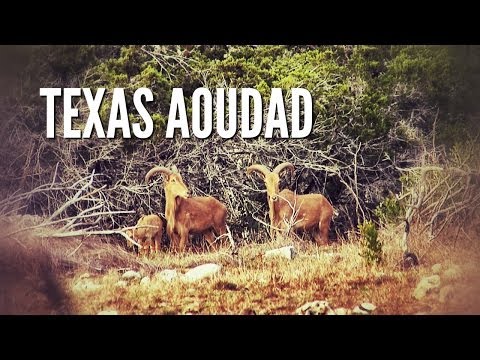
(390, 210)
(394, 143)
(375, 109)
(371, 245)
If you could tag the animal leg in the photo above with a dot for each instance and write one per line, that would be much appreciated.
(145, 247)
(142, 250)
(272, 231)
(222, 234)
(157, 240)
(183, 242)
(151, 245)
(321, 236)
(174, 241)
(210, 237)
(282, 230)
(318, 238)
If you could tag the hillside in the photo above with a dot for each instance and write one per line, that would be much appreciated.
(388, 170)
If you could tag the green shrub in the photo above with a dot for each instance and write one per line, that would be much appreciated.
(371, 245)
(390, 211)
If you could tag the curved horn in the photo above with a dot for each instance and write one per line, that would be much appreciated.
(261, 169)
(155, 170)
(284, 166)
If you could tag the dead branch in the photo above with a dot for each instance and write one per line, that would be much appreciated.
(441, 196)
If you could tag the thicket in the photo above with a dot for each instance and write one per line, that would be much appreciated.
(376, 111)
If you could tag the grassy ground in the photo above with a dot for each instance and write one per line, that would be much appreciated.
(251, 284)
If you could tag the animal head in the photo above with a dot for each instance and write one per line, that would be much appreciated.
(173, 182)
(271, 178)
(130, 234)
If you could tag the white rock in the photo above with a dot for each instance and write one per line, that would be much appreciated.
(446, 294)
(330, 312)
(357, 311)
(426, 285)
(131, 275)
(314, 308)
(369, 307)
(108, 312)
(201, 272)
(342, 311)
(437, 268)
(145, 281)
(121, 283)
(167, 275)
(287, 252)
(452, 273)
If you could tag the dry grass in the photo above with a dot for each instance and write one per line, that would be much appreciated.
(251, 284)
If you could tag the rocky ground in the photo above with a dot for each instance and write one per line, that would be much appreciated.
(285, 277)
